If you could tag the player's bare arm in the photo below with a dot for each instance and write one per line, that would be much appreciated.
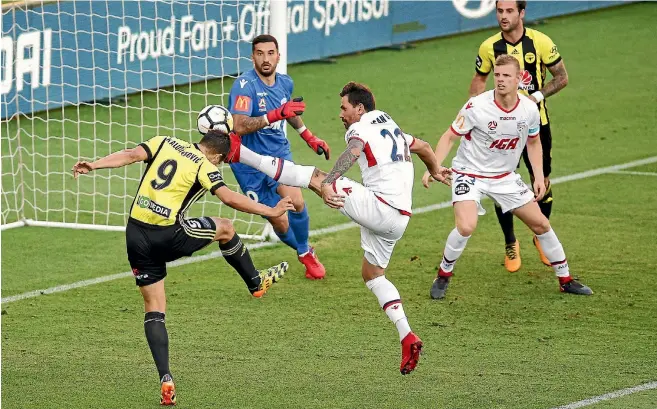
(242, 203)
(345, 161)
(478, 84)
(535, 153)
(423, 150)
(114, 160)
(342, 165)
(296, 122)
(443, 148)
(243, 124)
(559, 79)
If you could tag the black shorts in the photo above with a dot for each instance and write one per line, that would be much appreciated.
(546, 142)
(151, 247)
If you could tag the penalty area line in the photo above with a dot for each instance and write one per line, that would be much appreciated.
(317, 232)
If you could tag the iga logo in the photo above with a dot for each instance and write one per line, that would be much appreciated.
(526, 81)
(504, 144)
(485, 7)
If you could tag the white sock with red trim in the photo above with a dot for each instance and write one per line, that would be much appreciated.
(454, 247)
(389, 300)
(284, 171)
(553, 250)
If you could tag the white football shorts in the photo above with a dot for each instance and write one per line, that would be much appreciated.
(381, 225)
(510, 192)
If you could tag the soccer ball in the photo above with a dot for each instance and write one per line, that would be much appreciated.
(214, 117)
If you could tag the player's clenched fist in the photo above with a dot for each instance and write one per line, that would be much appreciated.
(82, 168)
(289, 109)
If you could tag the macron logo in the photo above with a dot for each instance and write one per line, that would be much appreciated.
(243, 82)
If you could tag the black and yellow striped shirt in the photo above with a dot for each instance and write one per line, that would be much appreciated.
(177, 175)
(535, 51)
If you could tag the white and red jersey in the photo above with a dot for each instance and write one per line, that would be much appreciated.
(386, 164)
(493, 138)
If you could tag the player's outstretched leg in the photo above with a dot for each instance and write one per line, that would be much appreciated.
(531, 215)
(389, 299)
(466, 222)
(237, 255)
(512, 261)
(283, 171)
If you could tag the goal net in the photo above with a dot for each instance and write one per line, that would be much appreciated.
(82, 79)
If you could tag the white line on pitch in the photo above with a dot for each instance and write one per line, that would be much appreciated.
(326, 230)
(629, 172)
(610, 395)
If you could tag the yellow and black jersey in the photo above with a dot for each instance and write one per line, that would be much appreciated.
(177, 175)
(535, 51)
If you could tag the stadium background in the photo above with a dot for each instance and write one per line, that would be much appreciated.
(499, 341)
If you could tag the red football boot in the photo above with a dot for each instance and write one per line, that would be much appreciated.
(314, 269)
(411, 348)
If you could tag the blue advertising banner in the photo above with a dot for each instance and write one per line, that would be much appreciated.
(71, 52)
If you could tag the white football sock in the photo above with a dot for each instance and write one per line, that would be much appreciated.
(453, 249)
(389, 300)
(553, 250)
(285, 172)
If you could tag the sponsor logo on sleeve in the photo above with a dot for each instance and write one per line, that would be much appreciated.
(215, 176)
(242, 103)
(479, 62)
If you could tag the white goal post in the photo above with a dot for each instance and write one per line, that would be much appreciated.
(81, 79)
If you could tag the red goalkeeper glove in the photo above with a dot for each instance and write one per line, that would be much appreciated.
(316, 144)
(289, 109)
(234, 151)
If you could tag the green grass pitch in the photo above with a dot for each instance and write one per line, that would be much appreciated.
(499, 340)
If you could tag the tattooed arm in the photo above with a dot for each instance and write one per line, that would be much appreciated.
(342, 165)
(345, 161)
(243, 124)
(559, 80)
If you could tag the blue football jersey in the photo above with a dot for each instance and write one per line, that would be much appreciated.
(252, 97)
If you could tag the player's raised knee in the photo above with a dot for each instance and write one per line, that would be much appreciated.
(225, 229)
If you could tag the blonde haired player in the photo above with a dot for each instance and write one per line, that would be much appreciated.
(495, 127)
(536, 53)
(381, 205)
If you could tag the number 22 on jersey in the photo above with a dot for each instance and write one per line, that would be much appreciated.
(394, 137)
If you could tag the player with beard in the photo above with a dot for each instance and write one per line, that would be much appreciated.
(536, 54)
(381, 205)
(261, 103)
